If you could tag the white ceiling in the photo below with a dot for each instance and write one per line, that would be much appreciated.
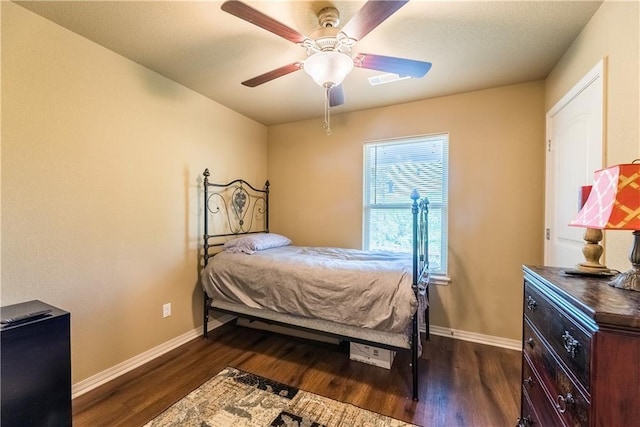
(472, 45)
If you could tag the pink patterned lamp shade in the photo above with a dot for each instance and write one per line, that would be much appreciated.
(614, 201)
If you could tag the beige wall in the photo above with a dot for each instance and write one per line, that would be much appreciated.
(101, 163)
(613, 33)
(101, 173)
(496, 192)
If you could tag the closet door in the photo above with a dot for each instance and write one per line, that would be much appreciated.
(575, 146)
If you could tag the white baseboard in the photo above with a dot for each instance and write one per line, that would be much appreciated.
(475, 337)
(112, 373)
(128, 365)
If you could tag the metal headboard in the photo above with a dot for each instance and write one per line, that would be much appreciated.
(243, 209)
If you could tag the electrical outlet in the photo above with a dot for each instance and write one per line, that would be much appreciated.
(166, 310)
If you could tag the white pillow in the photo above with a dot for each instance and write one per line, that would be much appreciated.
(252, 243)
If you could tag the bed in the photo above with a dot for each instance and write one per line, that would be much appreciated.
(365, 297)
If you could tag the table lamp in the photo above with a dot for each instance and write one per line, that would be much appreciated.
(614, 204)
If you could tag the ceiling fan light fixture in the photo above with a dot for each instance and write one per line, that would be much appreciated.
(329, 49)
(328, 68)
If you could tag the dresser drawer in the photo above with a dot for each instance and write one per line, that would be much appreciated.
(529, 417)
(567, 339)
(544, 414)
(564, 396)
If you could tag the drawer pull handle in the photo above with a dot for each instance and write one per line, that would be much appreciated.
(525, 422)
(528, 381)
(530, 342)
(563, 401)
(531, 303)
(570, 344)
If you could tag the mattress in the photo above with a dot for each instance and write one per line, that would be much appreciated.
(361, 289)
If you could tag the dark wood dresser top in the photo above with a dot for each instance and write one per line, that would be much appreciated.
(592, 296)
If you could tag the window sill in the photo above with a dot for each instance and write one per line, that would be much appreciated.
(439, 280)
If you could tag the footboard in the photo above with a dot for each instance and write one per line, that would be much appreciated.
(420, 284)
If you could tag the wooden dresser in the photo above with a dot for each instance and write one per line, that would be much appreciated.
(581, 351)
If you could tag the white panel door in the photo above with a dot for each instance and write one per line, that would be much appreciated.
(574, 151)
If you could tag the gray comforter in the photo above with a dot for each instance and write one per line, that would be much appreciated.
(358, 288)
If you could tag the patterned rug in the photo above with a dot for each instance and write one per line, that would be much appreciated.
(237, 398)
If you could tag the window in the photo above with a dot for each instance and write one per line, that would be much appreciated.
(392, 169)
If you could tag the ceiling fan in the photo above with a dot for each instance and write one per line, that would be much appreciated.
(329, 49)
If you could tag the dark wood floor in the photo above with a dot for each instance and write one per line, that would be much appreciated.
(462, 383)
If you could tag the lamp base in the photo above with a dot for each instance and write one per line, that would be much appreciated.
(590, 267)
(629, 280)
(592, 252)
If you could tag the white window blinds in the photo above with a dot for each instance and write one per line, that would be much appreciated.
(392, 169)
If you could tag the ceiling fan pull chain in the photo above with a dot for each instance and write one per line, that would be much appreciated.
(327, 125)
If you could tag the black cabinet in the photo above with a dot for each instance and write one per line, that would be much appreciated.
(35, 361)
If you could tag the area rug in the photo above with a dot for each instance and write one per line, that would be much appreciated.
(237, 398)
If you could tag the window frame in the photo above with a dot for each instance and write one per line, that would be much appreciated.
(440, 276)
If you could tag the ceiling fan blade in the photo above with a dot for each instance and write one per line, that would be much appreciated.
(372, 14)
(390, 64)
(336, 96)
(258, 18)
(273, 74)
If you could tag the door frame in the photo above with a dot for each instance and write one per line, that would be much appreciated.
(598, 71)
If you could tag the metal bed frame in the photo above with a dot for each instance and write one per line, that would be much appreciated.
(248, 206)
